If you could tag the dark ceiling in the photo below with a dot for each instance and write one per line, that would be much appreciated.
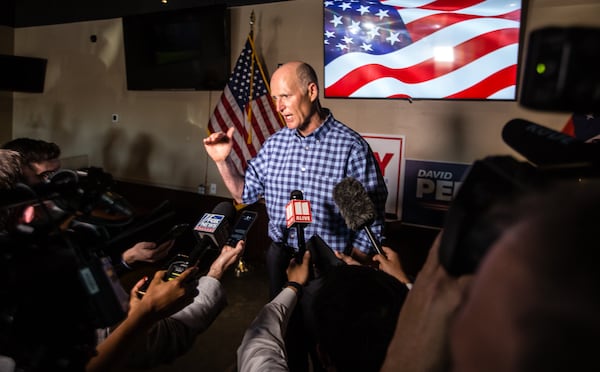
(25, 13)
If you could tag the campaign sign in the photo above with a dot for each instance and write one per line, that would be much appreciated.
(389, 154)
(429, 187)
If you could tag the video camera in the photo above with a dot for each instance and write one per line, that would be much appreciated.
(56, 282)
(560, 75)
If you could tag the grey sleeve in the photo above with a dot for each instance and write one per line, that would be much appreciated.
(263, 346)
(174, 336)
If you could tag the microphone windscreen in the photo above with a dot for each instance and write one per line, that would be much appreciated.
(355, 205)
(296, 195)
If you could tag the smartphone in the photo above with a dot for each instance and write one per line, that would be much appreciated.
(241, 228)
(175, 268)
(175, 232)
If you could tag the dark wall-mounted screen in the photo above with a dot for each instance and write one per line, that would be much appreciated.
(420, 49)
(185, 49)
(22, 74)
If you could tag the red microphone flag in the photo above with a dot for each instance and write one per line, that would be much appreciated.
(298, 211)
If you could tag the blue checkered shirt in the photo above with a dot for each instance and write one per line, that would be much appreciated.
(314, 165)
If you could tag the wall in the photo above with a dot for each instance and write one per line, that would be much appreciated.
(6, 98)
(158, 137)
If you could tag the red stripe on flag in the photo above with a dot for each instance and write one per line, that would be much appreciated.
(428, 69)
(238, 95)
(490, 85)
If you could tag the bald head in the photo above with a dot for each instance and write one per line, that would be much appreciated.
(295, 92)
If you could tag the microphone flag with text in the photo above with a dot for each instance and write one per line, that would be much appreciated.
(212, 232)
(356, 207)
(215, 226)
(298, 214)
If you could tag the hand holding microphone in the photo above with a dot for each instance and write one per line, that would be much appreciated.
(212, 231)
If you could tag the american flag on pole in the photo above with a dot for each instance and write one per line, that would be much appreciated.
(246, 104)
(436, 49)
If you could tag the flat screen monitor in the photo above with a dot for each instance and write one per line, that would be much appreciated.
(22, 74)
(187, 49)
(407, 49)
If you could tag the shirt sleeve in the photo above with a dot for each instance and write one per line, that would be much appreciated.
(263, 345)
(174, 336)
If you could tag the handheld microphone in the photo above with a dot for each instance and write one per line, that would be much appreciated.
(116, 203)
(212, 231)
(544, 146)
(298, 214)
(356, 208)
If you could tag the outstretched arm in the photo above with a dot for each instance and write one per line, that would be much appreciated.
(161, 300)
(263, 346)
(218, 146)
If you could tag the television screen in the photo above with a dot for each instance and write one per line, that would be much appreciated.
(421, 49)
(182, 49)
(22, 74)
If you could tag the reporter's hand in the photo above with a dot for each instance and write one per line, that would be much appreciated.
(163, 298)
(229, 255)
(347, 259)
(147, 252)
(299, 272)
(391, 264)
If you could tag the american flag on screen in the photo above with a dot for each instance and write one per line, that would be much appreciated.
(452, 49)
(246, 104)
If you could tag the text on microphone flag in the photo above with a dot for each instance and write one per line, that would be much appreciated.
(298, 211)
(209, 222)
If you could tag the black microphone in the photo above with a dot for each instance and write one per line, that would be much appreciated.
(298, 214)
(545, 147)
(356, 207)
(212, 231)
(116, 203)
(214, 227)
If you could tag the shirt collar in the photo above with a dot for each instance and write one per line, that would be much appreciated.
(322, 130)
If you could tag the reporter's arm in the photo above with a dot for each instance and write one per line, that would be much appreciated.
(263, 345)
(161, 299)
(420, 342)
(175, 335)
(390, 264)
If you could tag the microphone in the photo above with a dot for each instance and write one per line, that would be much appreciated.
(545, 146)
(212, 231)
(298, 214)
(356, 208)
(214, 227)
(116, 203)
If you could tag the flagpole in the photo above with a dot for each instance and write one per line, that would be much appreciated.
(206, 164)
(251, 90)
(242, 268)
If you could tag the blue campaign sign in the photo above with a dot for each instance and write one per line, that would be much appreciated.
(429, 187)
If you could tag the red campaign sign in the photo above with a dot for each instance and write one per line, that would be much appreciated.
(389, 153)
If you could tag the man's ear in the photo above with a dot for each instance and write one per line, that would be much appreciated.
(324, 358)
(313, 92)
